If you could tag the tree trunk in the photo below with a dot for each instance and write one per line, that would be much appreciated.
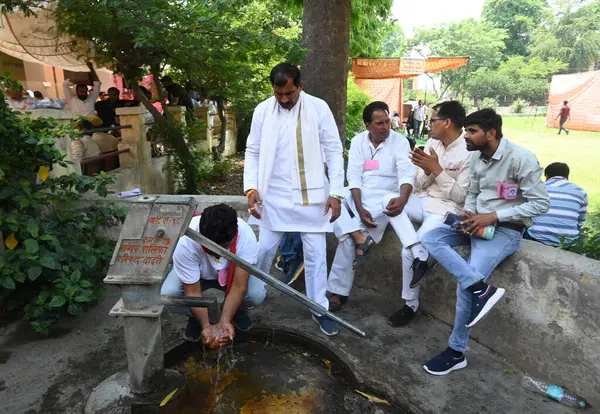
(223, 134)
(326, 35)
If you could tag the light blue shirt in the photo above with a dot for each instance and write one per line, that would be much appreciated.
(562, 224)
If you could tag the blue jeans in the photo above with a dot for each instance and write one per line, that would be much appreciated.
(417, 130)
(485, 256)
(173, 286)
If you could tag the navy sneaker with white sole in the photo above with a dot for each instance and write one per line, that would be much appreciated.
(446, 362)
(483, 301)
(328, 326)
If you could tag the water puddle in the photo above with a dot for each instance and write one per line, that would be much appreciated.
(263, 377)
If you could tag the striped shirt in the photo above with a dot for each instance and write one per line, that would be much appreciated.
(567, 214)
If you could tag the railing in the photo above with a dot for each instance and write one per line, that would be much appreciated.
(89, 160)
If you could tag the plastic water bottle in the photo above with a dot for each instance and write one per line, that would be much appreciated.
(553, 391)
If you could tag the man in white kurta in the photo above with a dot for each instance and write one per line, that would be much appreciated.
(380, 177)
(292, 136)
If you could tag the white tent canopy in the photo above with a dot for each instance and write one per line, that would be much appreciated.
(36, 39)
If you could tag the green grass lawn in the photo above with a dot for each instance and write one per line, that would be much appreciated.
(580, 150)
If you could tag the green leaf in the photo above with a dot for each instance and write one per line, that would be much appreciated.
(19, 277)
(75, 309)
(34, 272)
(33, 228)
(7, 282)
(85, 296)
(58, 301)
(90, 261)
(47, 237)
(49, 261)
(44, 296)
(75, 276)
(31, 245)
(85, 284)
(70, 290)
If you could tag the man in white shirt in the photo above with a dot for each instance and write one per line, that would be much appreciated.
(380, 177)
(419, 117)
(84, 146)
(292, 135)
(82, 103)
(197, 269)
(441, 185)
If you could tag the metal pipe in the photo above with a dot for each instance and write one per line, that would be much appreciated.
(104, 129)
(270, 280)
(211, 304)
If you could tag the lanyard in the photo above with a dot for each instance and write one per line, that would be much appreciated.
(373, 154)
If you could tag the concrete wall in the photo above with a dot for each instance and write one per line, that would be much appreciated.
(548, 323)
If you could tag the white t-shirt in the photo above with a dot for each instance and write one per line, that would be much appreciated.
(77, 106)
(419, 113)
(191, 262)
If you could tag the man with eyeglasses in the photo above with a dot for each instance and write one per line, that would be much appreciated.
(440, 186)
(197, 269)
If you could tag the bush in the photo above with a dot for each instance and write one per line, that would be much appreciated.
(53, 249)
(211, 170)
(488, 103)
(356, 102)
(589, 243)
(518, 106)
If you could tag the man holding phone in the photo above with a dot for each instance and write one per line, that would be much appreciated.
(441, 184)
(505, 190)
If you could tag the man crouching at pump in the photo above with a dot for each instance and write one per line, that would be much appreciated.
(196, 269)
(505, 192)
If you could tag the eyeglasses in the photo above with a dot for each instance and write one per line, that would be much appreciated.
(432, 120)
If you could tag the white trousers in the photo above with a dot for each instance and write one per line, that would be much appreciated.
(341, 276)
(315, 260)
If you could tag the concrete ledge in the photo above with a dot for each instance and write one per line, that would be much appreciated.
(548, 324)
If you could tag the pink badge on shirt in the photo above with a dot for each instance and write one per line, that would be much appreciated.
(507, 191)
(371, 165)
(222, 275)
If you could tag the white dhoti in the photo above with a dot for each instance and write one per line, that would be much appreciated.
(341, 275)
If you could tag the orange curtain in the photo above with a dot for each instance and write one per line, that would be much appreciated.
(582, 91)
(382, 80)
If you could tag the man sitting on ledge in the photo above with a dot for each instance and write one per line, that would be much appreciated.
(505, 191)
(196, 269)
(563, 223)
(380, 177)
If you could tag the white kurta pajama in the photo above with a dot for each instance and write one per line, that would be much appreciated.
(285, 164)
(433, 196)
(378, 186)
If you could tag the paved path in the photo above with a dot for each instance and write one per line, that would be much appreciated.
(56, 374)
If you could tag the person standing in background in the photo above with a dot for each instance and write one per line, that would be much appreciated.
(564, 114)
(419, 117)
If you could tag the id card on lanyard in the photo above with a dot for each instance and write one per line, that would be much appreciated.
(372, 165)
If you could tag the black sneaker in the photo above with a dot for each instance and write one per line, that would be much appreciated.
(336, 306)
(445, 363)
(193, 331)
(402, 317)
(483, 302)
(419, 268)
(242, 321)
